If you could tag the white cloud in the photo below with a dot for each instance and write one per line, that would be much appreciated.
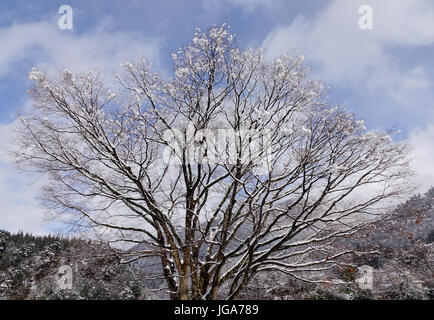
(20, 208)
(50, 48)
(334, 42)
(347, 56)
(7, 132)
(247, 5)
(422, 155)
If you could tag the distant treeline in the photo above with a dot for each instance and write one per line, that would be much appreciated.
(37, 242)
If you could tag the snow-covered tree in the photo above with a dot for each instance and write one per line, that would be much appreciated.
(230, 167)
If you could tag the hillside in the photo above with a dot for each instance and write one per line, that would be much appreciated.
(29, 267)
(403, 266)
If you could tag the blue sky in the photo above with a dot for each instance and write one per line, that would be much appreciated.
(384, 75)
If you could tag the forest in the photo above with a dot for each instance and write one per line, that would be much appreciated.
(402, 267)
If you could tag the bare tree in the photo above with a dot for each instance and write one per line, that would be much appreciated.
(230, 167)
